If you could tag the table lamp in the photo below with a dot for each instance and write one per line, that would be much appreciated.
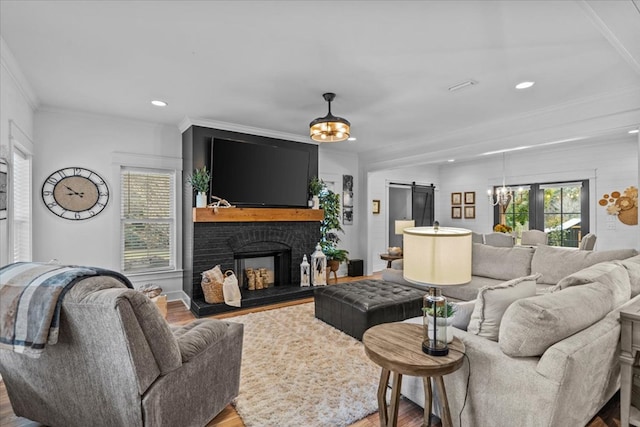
(436, 256)
(400, 225)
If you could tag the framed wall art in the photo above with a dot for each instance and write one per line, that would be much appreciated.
(347, 199)
(456, 212)
(376, 207)
(469, 197)
(456, 199)
(470, 212)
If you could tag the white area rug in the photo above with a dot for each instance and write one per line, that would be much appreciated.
(299, 371)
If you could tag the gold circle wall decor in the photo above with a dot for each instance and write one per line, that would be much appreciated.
(75, 193)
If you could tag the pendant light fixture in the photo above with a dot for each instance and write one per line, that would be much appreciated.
(329, 128)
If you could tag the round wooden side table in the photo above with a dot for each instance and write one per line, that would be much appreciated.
(389, 258)
(397, 348)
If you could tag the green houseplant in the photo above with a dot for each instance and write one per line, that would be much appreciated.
(315, 187)
(451, 310)
(330, 227)
(200, 180)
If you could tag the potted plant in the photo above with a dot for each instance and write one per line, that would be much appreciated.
(441, 321)
(200, 180)
(329, 229)
(315, 187)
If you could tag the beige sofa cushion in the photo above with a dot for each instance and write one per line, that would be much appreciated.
(462, 316)
(609, 274)
(501, 263)
(531, 325)
(494, 300)
(554, 263)
(632, 265)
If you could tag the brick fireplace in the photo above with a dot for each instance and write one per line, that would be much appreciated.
(231, 236)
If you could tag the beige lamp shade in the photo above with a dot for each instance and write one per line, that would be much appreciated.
(437, 257)
(401, 224)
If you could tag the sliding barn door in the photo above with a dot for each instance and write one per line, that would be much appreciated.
(422, 208)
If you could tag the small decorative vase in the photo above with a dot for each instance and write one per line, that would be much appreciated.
(316, 202)
(441, 327)
(394, 251)
(201, 200)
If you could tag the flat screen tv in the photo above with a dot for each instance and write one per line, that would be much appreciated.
(250, 174)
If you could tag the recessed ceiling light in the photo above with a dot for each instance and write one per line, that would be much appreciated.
(451, 160)
(633, 131)
(352, 138)
(159, 103)
(525, 85)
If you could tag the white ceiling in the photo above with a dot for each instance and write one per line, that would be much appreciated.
(265, 65)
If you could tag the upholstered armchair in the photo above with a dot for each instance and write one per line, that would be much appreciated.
(477, 237)
(533, 238)
(499, 239)
(117, 362)
(588, 242)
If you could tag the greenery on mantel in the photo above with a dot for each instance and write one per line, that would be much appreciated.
(315, 186)
(330, 225)
(200, 180)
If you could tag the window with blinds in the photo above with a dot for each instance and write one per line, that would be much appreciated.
(147, 219)
(21, 211)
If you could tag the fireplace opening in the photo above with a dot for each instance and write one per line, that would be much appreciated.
(276, 263)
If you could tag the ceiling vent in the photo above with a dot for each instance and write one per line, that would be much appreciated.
(462, 85)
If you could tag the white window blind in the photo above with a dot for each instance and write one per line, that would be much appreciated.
(21, 199)
(148, 219)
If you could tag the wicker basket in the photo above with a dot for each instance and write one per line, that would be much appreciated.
(212, 292)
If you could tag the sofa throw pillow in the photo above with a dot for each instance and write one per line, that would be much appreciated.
(494, 300)
(554, 262)
(632, 265)
(531, 325)
(500, 263)
(609, 274)
(462, 315)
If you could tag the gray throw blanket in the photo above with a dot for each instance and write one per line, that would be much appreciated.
(31, 297)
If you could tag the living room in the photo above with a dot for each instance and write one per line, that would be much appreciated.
(576, 128)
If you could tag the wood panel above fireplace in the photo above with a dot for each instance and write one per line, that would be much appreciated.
(256, 215)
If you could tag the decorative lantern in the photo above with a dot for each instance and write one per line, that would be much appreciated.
(319, 267)
(304, 272)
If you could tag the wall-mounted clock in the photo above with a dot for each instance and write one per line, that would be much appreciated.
(75, 193)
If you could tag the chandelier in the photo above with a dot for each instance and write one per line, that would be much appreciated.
(329, 128)
(503, 195)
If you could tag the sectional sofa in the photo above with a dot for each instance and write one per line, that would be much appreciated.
(541, 330)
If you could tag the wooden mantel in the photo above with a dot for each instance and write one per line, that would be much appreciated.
(256, 215)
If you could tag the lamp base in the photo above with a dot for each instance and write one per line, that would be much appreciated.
(434, 348)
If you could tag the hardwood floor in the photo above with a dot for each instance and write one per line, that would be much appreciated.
(410, 414)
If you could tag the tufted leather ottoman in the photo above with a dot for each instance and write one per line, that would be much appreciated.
(355, 307)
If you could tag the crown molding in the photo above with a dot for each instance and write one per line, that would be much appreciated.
(605, 26)
(10, 64)
(233, 127)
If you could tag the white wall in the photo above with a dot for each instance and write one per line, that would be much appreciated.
(65, 139)
(609, 167)
(17, 105)
(331, 166)
(378, 224)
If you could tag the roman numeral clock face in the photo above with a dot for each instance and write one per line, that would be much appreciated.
(75, 193)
